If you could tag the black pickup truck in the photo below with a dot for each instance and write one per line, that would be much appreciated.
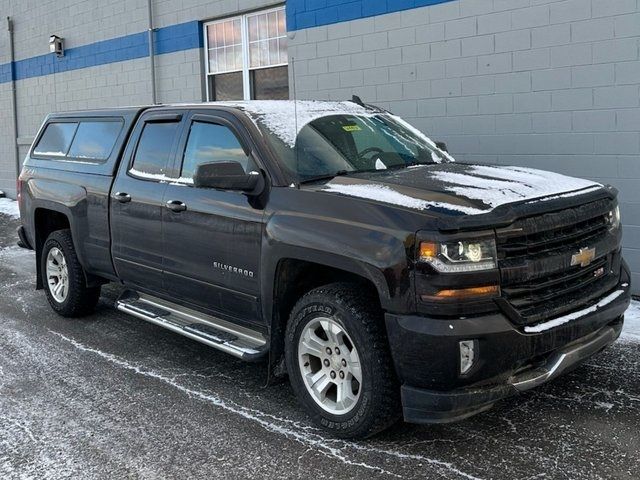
(336, 242)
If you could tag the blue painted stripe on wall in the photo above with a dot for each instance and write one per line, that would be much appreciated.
(314, 13)
(185, 36)
(174, 38)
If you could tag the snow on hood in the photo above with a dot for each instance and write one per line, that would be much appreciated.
(496, 186)
(461, 188)
(385, 194)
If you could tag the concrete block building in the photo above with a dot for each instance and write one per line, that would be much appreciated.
(551, 84)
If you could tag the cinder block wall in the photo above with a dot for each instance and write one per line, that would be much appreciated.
(541, 83)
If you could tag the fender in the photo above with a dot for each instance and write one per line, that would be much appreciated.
(64, 198)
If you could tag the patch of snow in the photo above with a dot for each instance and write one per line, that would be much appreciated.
(9, 207)
(380, 165)
(50, 154)
(161, 177)
(330, 448)
(569, 194)
(385, 194)
(425, 138)
(497, 186)
(604, 405)
(631, 329)
(285, 118)
(541, 327)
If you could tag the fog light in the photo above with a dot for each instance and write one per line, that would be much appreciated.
(467, 355)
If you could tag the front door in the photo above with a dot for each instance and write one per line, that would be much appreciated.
(212, 238)
(137, 201)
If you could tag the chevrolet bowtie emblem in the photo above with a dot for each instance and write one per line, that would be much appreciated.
(584, 257)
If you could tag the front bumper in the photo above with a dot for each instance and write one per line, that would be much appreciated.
(509, 360)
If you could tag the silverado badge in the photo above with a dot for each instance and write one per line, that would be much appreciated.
(584, 257)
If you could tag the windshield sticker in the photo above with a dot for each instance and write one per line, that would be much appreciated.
(351, 128)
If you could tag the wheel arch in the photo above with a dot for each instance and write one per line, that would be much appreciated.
(293, 276)
(48, 218)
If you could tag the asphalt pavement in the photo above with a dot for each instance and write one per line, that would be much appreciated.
(111, 396)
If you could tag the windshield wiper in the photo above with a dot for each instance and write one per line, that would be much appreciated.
(319, 178)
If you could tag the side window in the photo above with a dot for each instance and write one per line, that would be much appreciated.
(208, 143)
(95, 140)
(56, 139)
(154, 149)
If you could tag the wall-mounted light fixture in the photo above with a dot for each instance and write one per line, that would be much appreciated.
(56, 45)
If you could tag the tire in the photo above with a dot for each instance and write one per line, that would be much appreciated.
(346, 307)
(75, 299)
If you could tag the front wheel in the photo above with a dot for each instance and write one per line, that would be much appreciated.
(64, 278)
(339, 363)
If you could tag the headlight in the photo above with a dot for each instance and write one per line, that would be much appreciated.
(613, 218)
(459, 256)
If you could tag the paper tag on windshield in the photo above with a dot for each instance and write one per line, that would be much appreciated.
(351, 128)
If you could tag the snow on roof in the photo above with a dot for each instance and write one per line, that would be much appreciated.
(497, 186)
(9, 207)
(285, 118)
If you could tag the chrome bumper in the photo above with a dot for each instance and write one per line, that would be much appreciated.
(564, 359)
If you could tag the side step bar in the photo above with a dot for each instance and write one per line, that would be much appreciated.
(236, 340)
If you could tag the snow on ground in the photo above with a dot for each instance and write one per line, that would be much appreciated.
(631, 330)
(9, 207)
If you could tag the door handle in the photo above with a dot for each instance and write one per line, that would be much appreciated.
(122, 197)
(176, 206)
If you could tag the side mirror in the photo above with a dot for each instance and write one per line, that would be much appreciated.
(226, 176)
(442, 146)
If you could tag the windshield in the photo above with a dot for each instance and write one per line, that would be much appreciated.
(341, 144)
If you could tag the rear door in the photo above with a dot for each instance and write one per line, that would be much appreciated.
(137, 200)
(212, 240)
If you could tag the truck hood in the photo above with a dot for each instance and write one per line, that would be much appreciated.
(457, 189)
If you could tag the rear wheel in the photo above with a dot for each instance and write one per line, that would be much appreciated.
(64, 279)
(339, 362)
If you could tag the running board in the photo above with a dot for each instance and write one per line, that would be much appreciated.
(234, 339)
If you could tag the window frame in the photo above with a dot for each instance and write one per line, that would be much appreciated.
(216, 119)
(77, 120)
(170, 117)
(244, 39)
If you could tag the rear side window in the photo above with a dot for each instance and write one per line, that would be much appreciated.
(86, 140)
(56, 139)
(154, 148)
(95, 140)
